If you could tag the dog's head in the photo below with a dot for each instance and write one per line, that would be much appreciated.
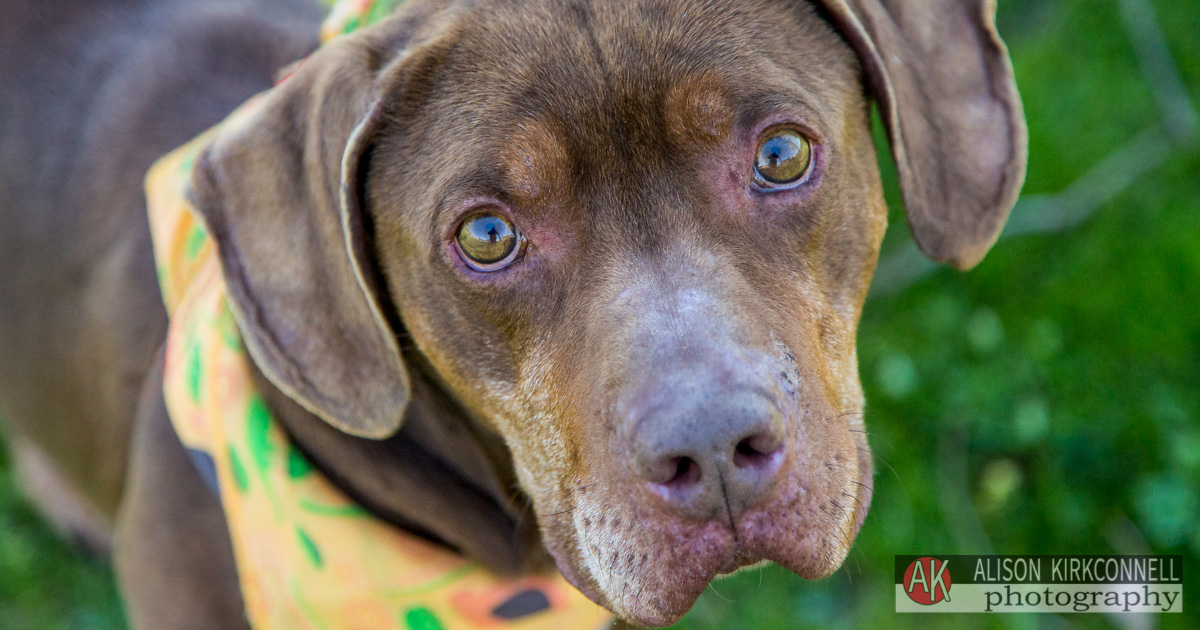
(633, 237)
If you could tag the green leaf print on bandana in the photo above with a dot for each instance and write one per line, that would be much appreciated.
(422, 619)
(380, 9)
(240, 478)
(195, 368)
(195, 240)
(310, 548)
(230, 335)
(297, 464)
(258, 433)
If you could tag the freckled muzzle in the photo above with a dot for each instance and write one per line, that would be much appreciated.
(717, 449)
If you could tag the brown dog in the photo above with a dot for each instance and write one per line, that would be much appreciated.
(604, 259)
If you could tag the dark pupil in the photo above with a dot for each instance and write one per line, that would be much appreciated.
(493, 234)
(490, 230)
(779, 150)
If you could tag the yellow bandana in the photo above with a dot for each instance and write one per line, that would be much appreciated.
(307, 555)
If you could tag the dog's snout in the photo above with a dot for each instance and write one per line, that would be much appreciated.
(712, 458)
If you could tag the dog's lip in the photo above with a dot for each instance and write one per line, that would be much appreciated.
(683, 593)
(724, 556)
(742, 550)
(748, 564)
(739, 559)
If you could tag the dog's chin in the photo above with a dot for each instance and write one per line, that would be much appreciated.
(652, 576)
(670, 581)
(663, 597)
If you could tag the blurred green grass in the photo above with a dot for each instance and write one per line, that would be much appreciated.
(44, 583)
(1045, 402)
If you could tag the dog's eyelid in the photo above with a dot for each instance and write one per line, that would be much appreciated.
(786, 118)
(762, 110)
(457, 201)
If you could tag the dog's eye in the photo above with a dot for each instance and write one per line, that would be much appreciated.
(488, 242)
(784, 158)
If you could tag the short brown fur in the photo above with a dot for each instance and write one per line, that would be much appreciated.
(668, 305)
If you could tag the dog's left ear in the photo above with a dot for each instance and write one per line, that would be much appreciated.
(282, 195)
(946, 91)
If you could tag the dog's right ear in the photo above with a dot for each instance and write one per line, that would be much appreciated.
(282, 195)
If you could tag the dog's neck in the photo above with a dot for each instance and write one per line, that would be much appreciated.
(443, 476)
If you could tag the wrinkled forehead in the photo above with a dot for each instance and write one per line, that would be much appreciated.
(533, 95)
(598, 64)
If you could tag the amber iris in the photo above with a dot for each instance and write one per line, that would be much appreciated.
(784, 157)
(488, 241)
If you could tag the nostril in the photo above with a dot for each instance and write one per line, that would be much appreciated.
(687, 472)
(756, 450)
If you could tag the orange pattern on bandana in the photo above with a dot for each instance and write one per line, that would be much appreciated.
(307, 555)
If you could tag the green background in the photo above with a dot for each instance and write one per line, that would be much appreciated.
(1045, 402)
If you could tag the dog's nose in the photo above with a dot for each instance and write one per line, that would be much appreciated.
(714, 459)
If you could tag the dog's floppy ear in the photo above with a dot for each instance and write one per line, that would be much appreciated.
(946, 91)
(282, 195)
